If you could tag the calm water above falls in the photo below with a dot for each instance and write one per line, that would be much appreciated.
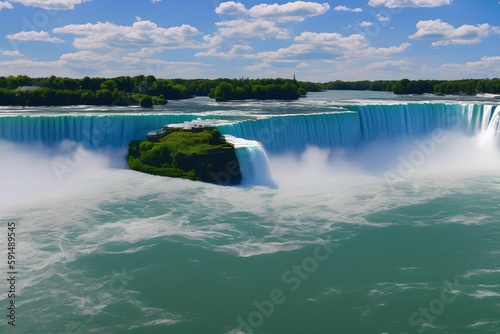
(384, 219)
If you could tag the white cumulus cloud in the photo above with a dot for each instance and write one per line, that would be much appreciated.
(261, 29)
(231, 8)
(354, 41)
(409, 3)
(82, 57)
(485, 67)
(382, 52)
(382, 18)
(15, 53)
(445, 34)
(7, 5)
(293, 11)
(365, 24)
(51, 4)
(34, 36)
(387, 64)
(237, 51)
(290, 11)
(335, 45)
(347, 9)
(140, 34)
(263, 21)
(34, 68)
(147, 52)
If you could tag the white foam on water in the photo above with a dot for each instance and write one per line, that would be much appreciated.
(478, 324)
(480, 294)
(248, 249)
(409, 268)
(319, 193)
(467, 219)
(480, 272)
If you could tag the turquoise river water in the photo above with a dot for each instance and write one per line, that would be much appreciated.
(360, 212)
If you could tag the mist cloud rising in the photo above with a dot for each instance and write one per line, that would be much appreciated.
(30, 172)
(449, 153)
(33, 171)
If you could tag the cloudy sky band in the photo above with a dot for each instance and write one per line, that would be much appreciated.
(318, 41)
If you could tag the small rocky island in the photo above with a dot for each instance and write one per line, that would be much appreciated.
(195, 152)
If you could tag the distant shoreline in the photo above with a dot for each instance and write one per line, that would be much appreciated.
(147, 91)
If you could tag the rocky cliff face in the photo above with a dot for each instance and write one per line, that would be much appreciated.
(199, 156)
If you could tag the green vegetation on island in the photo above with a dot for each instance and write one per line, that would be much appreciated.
(202, 155)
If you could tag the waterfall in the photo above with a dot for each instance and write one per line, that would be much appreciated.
(361, 124)
(406, 120)
(476, 117)
(93, 131)
(254, 164)
(494, 125)
(278, 134)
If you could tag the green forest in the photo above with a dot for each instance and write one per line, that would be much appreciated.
(406, 86)
(142, 90)
(147, 91)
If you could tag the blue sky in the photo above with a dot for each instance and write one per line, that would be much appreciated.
(316, 41)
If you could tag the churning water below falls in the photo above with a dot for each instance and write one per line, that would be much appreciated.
(360, 212)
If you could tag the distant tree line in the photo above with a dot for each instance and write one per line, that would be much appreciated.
(121, 91)
(149, 90)
(142, 90)
(261, 89)
(406, 86)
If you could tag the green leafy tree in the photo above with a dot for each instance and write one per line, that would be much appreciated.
(3, 82)
(146, 102)
(104, 97)
(69, 84)
(150, 79)
(240, 93)
(109, 85)
(139, 80)
(93, 84)
(87, 97)
(223, 92)
(160, 100)
(124, 84)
